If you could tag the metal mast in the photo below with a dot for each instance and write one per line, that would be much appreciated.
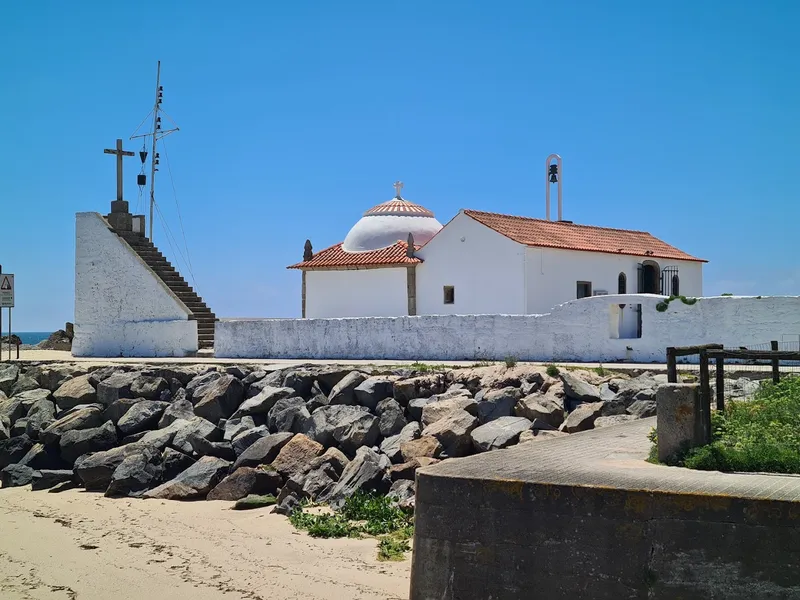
(154, 156)
(157, 133)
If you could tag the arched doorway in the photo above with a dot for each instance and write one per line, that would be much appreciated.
(651, 278)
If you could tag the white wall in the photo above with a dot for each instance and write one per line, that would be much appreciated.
(552, 275)
(357, 293)
(122, 308)
(576, 331)
(486, 268)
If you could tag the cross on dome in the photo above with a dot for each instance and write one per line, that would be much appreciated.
(398, 185)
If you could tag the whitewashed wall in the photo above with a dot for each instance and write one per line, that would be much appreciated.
(485, 268)
(581, 330)
(357, 293)
(122, 308)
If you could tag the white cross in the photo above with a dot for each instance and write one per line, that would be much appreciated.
(398, 185)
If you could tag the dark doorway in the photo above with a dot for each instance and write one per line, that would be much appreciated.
(584, 289)
(650, 279)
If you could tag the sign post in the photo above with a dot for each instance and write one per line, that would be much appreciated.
(7, 301)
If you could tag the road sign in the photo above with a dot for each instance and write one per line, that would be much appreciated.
(6, 290)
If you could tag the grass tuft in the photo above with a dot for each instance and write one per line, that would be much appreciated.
(511, 362)
(552, 371)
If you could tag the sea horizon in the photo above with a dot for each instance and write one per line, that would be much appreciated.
(30, 338)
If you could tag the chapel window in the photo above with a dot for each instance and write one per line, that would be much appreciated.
(449, 294)
(584, 289)
(622, 284)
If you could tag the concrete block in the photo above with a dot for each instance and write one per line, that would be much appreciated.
(680, 421)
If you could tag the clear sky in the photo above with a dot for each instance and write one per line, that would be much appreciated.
(681, 118)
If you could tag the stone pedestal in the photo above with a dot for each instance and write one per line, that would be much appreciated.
(120, 218)
(680, 421)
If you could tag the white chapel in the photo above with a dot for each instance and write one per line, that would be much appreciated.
(399, 260)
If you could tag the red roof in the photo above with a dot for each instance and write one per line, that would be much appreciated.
(398, 206)
(336, 258)
(569, 236)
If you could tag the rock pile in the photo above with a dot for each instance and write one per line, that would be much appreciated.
(318, 432)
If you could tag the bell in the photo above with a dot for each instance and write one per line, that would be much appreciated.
(553, 171)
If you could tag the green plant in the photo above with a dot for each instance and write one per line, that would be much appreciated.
(392, 548)
(378, 513)
(511, 362)
(552, 371)
(482, 363)
(663, 305)
(600, 371)
(323, 525)
(726, 294)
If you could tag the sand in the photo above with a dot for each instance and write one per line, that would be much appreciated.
(80, 545)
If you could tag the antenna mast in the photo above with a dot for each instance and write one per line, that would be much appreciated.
(157, 133)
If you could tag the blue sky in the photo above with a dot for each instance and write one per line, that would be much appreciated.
(680, 118)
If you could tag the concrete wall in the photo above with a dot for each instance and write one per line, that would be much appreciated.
(357, 293)
(122, 308)
(581, 330)
(485, 268)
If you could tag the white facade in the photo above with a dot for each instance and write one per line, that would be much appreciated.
(583, 330)
(486, 270)
(122, 308)
(356, 293)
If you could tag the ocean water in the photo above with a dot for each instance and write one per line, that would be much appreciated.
(30, 338)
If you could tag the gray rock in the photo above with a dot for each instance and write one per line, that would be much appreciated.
(424, 386)
(202, 447)
(31, 397)
(174, 462)
(219, 399)
(408, 470)
(368, 471)
(11, 408)
(500, 433)
(642, 409)
(142, 416)
(194, 483)
(320, 481)
(391, 419)
(391, 445)
(440, 409)
(20, 427)
(42, 457)
(13, 449)
(333, 457)
(52, 376)
(578, 389)
(402, 491)
(194, 426)
(113, 388)
(329, 377)
(49, 478)
(201, 381)
(606, 393)
(417, 405)
(316, 401)
(254, 376)
(540, 435)
(627, 389)
(75, 391)
(453, 433)
(288, 414)
(117, 409)
(274, 380)
(23, 384)
(613, 420)
(246, 481)
(263, 451)
(541, 406)
(372, 390)
(237, 371)
(180, 408)
(247, 438)
(103, 373)
(645, 395)
(40, 416)
(493, 404)
(85, 418)
(295, 456)
(5, 431)
(423, 447)
(323, 421)
(135, 474)
(78, 442)
(8, 377)
(583, 417)
(263, 402)
(234, 427)
(149, 387)
(301, 381)
(16, 476)
(344, 391)
(95, 470)
(355, 429)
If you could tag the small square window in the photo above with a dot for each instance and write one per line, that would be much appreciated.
(449, 294)
(584, 289)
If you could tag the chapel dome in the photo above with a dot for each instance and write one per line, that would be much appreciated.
(389, 222)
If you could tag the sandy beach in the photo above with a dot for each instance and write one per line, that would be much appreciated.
(80, 545)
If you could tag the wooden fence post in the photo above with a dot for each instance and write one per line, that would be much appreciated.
(776, 364)
(705, 392)
(720, 383)
(672, 366)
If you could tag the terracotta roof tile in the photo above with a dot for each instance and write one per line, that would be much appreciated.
(569, 236)
(334, 257)
(398, 206)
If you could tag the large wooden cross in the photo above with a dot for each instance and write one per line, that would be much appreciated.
(120, 153)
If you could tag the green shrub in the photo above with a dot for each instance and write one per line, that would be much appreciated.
(393, 548)
(511, 362)
(552, 371)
